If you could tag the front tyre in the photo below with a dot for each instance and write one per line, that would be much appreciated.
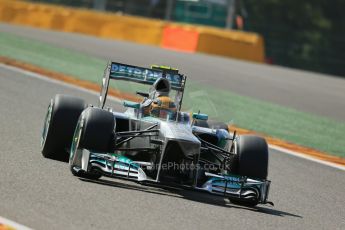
(252, 152)
(251, 161)
(60, 121)
(94, 133)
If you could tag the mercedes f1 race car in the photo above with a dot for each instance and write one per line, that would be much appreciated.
(154, 141)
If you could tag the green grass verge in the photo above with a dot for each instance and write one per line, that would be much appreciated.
(277, 121)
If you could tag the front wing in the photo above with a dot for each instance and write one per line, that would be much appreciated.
(231, 186)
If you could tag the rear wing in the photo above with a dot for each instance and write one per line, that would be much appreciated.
(147, 76)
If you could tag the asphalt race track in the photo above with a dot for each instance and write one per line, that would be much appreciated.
(309, 92)
(43, 194)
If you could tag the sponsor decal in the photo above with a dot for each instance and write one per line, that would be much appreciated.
(142, 74)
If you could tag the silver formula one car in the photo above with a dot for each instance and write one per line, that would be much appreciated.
(154, 141)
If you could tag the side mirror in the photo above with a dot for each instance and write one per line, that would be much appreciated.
(131, 104)
(200, 116)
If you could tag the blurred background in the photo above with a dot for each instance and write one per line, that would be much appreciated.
(223, 44)
(304, 34)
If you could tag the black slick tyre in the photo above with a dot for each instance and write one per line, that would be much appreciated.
(251, 161)
(60, 121)
(94, 133)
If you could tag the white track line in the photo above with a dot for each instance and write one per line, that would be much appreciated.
(280, 149)
(48, 79)
(13, 224)
(307, 157)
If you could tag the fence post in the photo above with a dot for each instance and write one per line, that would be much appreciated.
(99, 4)
(168, 10)
(230, 14)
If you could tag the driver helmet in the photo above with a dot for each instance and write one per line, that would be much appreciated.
(161, 87)
(163, 107)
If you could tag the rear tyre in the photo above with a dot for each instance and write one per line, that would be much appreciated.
(94, 133)
(251, 161)
(61, 119)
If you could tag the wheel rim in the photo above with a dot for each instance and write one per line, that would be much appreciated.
(75, 141)
(46, 124)
(75, 159)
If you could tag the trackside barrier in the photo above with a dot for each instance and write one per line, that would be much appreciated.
(129, 28)
(180, 38)
(241, 45)
(203, 39)
(247, 46)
